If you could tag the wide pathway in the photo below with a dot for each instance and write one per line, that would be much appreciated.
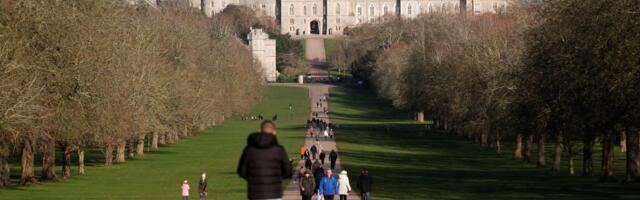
(315, 91)
(315, 55)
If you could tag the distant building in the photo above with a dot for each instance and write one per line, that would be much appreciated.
(264, 50)
(329, 17)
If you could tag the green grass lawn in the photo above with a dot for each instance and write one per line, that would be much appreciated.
(328, 47)
(408, 162)
(159, 174)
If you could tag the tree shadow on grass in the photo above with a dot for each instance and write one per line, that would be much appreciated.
(437, 166)
(409, 162)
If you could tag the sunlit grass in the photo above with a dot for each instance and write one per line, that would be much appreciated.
(159, 174)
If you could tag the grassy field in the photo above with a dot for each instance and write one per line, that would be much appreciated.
(159, 174)
(408, 162)
(328, 47)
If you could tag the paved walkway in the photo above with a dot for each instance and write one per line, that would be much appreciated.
(315, 91)
(315, 55)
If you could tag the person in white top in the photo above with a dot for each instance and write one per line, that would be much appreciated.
(344, 188)
(326, 134)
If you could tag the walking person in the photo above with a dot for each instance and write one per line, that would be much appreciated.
(333, 157)
(202, 187)
(328, 186)
(264, 164)
(298, 176)
(308, 163)
(185, 189)
(307, 186)
(344, 188)
(314, 151)
(318, 173)
(322, 156)
(364, 185)
(302, 152)
(326, 134)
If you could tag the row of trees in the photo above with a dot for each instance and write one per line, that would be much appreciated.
(107, 74)
(560, 71)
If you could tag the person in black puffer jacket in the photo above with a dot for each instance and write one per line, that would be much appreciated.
(264, 164)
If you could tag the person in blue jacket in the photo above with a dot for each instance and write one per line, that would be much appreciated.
(328, 186)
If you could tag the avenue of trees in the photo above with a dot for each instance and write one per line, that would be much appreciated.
(104, 74)
(561, 72)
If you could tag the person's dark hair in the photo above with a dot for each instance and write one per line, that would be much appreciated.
(265, 122)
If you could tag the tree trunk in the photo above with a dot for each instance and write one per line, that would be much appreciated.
(81, 161)
(108, 155)
(541, 159)
(172, 136)
(66, 160)
(587, 153)
(498, 146)
(557, 153)
(4, 162)
(633, 149)
(121, 150)
(623, 142)
(517, 154)
(28, 174)
(48, 149)
(154, 141)
(484, 139)
(140, 147)
(528, 148)
(162, 140)
(607, 157)
(131, 149)
(571, 165)
(185, 132)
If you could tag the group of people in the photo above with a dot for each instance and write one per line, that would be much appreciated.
(202, 188)
(257, 117)
(315, 156)
(252, 117)
(264, 164)
(319, 128)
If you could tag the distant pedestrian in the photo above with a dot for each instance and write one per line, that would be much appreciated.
(321, 157)
(202, 187)
(328, 186)
(185, 189)
(308, 163)
(314, 151)
(301, 172)
(344, 188)
(264, 164)
(326, 134)
(318, 173)
(333, 157)
(307, 186)
(302, 151)
(364, 185)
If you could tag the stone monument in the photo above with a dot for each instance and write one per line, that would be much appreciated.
(264, 50)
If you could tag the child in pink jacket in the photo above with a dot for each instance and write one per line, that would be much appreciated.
(185, 190)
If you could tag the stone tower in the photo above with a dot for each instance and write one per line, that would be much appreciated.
(264, 50)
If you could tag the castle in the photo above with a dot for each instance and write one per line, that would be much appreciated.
(332, 17)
